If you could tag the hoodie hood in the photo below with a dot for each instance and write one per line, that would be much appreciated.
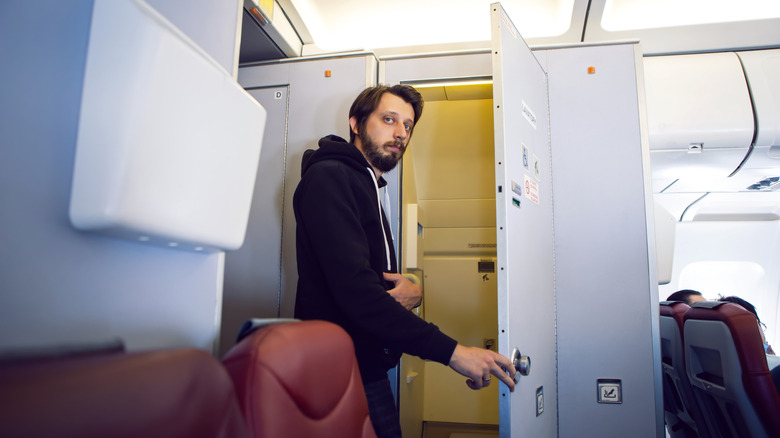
(333, 147)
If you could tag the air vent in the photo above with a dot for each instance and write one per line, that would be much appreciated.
(766, 185)
(486, 266)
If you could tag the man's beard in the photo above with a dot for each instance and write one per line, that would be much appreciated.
(378, 157)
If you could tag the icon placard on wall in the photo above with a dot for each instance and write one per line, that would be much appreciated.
(539, 400)
(609, 391)
(525, 155)
(529, 114)
(537, 169)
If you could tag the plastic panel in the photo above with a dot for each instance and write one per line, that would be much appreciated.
(604, 243)
(697, 99)
(318, 105)
(762, 69)
(747, 34)
(168, 143)
(730, 258)
(525, 271)
(665, 224)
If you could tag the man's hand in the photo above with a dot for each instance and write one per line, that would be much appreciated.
(478, 364)
(405, 292)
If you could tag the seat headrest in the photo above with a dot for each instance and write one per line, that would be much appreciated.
(674, 309)
(300, 379)
(709, 304)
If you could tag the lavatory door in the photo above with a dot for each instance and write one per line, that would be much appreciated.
(524, 227)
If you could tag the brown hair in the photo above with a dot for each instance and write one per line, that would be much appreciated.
(368, 100)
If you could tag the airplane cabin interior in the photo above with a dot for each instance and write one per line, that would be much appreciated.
(576, 163)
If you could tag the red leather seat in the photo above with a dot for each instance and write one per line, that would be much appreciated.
(299, 379)
(170, 393)
(728, 370)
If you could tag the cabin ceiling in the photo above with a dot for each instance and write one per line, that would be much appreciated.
(661, 26)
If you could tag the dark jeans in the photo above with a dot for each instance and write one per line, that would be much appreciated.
(382, 410)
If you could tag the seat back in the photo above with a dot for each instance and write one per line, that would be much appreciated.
(727, 368)
(299, 379)
(681, 411)
(167, 393)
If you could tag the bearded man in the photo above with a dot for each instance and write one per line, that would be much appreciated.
(347, 271)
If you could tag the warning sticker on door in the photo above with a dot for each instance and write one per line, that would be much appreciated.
(531, 189)
(537, 170)
(529, 114)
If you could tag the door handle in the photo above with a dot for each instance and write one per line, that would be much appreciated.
(416, 280)
(521, 363)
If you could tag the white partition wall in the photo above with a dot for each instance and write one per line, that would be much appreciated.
(253, 276)
(605, 275)
(306, 99)
(61, 286)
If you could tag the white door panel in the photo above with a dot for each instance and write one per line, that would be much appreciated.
(526, 296)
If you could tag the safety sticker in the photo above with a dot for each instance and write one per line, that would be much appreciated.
(531, 189)
(537, 170)
(517, 188)
(525, 155)
(529, 115)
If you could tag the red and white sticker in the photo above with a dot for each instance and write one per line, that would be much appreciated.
(531, 189)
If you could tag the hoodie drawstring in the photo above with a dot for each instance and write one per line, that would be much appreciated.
(389, 209)
(381, 222)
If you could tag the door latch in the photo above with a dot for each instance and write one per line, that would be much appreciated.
(521, 363)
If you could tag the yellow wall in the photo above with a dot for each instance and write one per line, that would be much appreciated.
(449, 171)
(452, 147)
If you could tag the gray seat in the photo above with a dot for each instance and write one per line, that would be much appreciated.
(682, 414)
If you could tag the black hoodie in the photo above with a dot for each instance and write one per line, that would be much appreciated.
(342, 252)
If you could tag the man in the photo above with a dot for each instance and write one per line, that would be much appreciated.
(688, 296)
(347, 273)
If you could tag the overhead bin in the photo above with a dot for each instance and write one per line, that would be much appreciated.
(735, 207)
(762, 69)
(266, 33)
(700, 116)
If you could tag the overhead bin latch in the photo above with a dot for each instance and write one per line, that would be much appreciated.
(695, 148)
